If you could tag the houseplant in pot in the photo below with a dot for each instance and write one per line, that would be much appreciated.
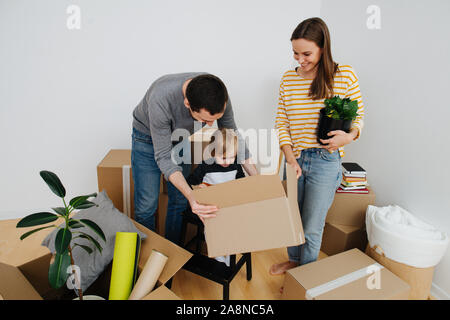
(337, 114)
(63, 258)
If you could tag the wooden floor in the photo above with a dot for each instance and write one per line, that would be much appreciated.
(262, 286)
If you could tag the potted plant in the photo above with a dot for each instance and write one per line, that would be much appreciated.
(337, 114)
(57, 274)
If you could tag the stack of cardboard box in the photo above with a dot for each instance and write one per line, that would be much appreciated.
(345, 223)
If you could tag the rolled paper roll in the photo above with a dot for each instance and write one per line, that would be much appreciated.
(125, 263)
(149, 275)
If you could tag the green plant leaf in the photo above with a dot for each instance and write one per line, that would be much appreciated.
(36, 219)
(57, 272)
(88, 237)
(73, 224)
(84, 205)
(54, 183)
(91, 224)
(26, 234)
(88, 249)
(62, 240)
(80, 199)
(60, 210)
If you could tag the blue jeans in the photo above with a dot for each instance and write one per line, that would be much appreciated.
(146, 177)
(321, 176)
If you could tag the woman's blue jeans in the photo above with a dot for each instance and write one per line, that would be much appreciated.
(321, 176)
(146, 177)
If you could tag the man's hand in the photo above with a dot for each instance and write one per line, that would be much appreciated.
(203, 211)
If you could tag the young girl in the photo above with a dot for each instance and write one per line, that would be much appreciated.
(318, 167)
(220, 168)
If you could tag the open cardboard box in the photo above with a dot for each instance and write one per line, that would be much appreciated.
(24, 265)
(254, 214)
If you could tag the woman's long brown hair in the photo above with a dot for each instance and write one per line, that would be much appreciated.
(315, 29)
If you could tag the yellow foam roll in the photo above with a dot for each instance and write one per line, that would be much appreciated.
(125, 263)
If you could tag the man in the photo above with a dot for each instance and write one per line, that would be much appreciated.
(174, 102)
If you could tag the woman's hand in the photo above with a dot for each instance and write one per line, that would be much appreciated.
(339, 138)
(296, 167)
(290, 158)
(203, 211)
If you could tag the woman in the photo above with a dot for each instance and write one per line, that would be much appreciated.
(318, 167)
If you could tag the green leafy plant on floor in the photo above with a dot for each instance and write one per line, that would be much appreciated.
(57, 274)
(341, 109)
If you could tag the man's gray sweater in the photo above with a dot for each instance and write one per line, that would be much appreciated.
(162, 111)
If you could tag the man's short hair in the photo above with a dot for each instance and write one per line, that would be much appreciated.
(207, 92)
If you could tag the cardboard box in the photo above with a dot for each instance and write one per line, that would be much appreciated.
(254, 214)
(348, 275)
(350, 208)
(114, 175)
(338, 238)
(420, 279)
(24, 275)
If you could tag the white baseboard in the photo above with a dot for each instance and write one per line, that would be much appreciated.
(438, 293)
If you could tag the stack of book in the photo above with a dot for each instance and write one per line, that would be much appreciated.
(354, 179)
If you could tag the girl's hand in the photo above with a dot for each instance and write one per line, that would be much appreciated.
(340, 138)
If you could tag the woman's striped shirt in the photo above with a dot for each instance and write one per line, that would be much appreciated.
(298, 115)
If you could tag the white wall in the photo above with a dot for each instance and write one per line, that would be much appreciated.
(404, 78)
(67, 95)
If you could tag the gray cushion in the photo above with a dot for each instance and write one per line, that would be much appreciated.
(110, 220)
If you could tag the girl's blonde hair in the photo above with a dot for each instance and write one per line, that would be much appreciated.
(224, 142)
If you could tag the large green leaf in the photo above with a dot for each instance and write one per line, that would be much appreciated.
(57, 272)
(84, 205)
(88, 249)
(26, 234)
(62, 240)
(80, 199)
(88, 237)
(74, 224)
(60, 210)
(91, 224)
(54, 183)
(36, 219)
